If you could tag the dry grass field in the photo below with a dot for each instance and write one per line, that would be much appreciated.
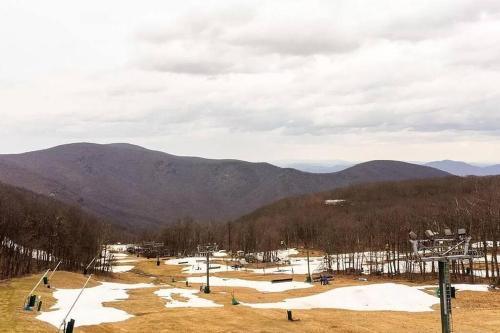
(473, 311)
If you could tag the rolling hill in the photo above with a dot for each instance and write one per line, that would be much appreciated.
(134, 186)
(372, 216)
(464, 169)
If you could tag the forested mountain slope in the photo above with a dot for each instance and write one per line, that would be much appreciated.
(134, 186)
(374, 216)
(36, 232)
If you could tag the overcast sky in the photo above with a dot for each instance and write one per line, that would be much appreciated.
(255, 80)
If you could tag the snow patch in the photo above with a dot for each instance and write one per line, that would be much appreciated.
(374, 297)
(297, 266)
(120, 255)
(263, 286)
(198, 265)
(280, 254)
(89, 309)
(220, 254)
(121, 269)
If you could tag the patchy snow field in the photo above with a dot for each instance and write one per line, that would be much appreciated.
(120, 255)
(121, 269)
(89, 309)
(374, 297)
(281, 254)
(220, 254)
(119, 247)
(192, 301)
(263, 286)
(198, 265)
(297, 266)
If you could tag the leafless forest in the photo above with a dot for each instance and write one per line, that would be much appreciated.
(372, 224)
(370, 227)
(36, 232)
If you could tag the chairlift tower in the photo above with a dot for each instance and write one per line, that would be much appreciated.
(207, 250)
(442, 249)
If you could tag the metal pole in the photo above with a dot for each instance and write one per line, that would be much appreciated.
(93, 261)
(55, 269)
(444, 296)
(90, 263)
(207, 289)
(74, 303)
(308, 279)
(36, 286)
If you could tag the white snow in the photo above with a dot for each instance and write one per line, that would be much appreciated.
(89, 309)
(120, 255)
(35, 254)
(263, 286)
(297, 266)
(122, 269)
(374, 297)
(197, 265)
(219, 254)
(192, 301)
(118, 247)
(481, 245)
(281, 254)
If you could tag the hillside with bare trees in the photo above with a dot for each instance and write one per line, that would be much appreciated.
(37, 232)
(137, 187)
(370, 218)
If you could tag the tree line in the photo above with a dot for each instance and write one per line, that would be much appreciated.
(36, 232)
(370, 227)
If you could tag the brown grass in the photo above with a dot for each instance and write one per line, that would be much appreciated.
(473, 311)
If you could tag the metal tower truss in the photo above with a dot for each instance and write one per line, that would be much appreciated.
(443, 249)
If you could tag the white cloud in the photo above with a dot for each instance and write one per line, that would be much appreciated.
(303, 79)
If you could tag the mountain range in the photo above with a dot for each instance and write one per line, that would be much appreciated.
(464, 169)
(457, 168)
(318, 167)
(137, 187)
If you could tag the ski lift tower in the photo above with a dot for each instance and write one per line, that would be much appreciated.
(443, 248)
(207, 250)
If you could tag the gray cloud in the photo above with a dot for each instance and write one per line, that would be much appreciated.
(308, 77)
(189, 67)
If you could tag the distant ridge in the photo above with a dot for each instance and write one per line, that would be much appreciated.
(464, 169)
(135, 186)
(319, 167)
